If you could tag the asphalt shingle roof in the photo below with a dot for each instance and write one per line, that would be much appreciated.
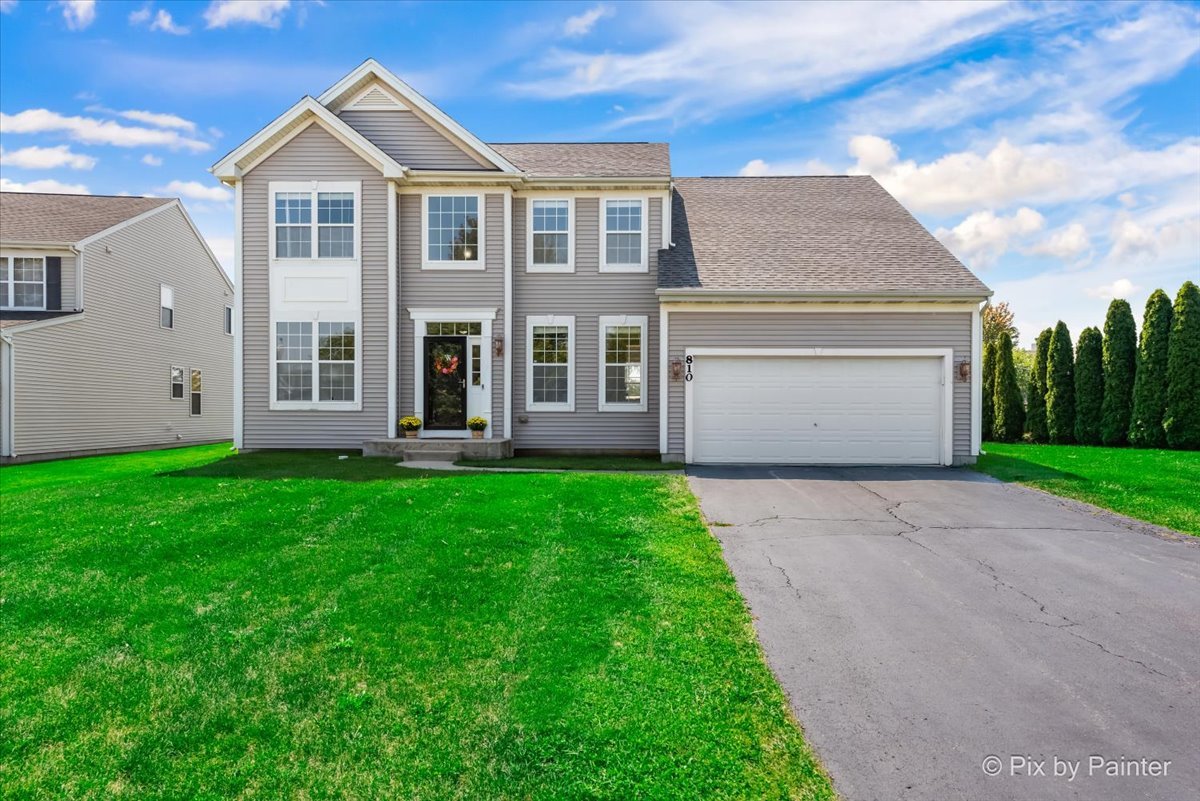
(31, 217)
(592, 159)
(835, 234)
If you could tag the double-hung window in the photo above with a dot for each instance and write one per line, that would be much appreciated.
(550, 233)
(314, 220)
(623, 235)
(550, 364)
(22, 282)
(623, 365)
(176, 383)
(166, 306)
(316, 365)
(196, 393)
(453, 232)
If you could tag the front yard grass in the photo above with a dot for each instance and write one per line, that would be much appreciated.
(623, 463)
(1157, 486)
(190, 624)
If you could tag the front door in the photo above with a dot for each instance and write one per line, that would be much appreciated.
(445, 383)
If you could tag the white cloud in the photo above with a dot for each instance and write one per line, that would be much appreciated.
(151, 160)
(983, 237)
(7, 6)
(223, 13)
(1120, 289)
(78, 14)
(1066, 243)
(141, 16)
(96, 132)
(194, 190)
(46, 158)
(809, 167)
(582, 24)
(46, 186)
(165, 23)
(159, 120)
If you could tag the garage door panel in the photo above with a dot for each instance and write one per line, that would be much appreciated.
(817, 410)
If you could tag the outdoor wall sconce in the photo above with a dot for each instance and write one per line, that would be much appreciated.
(497, 346)
(676, 370)
(964, 371)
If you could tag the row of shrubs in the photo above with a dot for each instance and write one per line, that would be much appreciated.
(1110, 388)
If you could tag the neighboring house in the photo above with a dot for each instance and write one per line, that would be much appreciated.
(580, 298)
(116, 327)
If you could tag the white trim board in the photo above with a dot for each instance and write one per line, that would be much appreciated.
(642, 322)
(567, 321)
(485, 317)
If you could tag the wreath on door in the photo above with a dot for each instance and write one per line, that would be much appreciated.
(445, 363)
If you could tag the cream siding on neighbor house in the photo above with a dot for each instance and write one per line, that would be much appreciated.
(822, 330)
(410, 140)
(102, 380)
(587, 294)
(449, 288)
(313, 155)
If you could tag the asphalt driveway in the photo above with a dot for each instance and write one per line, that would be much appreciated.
(924, 620)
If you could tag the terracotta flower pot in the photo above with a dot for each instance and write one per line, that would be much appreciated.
(410, 434)
(476, 435)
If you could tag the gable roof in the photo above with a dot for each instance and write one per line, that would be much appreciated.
(66, 219)
(579, 159)
(819, 235)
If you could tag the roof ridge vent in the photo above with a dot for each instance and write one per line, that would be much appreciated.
(375, 99)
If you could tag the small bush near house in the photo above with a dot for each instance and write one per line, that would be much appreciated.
(1089, 386)
(1120, 367)
(1009, 410)
(1035, 419)
(1181, 420)
(1060, 386)
(1150, 384)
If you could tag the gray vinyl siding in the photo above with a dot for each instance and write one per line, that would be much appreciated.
(587, 294)
(821, 330)
(450, 289)
(102, 380)
(410, 140)
(313, 155)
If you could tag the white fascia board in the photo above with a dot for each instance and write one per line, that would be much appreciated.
(112, 229)
(604, 182)
(36, 324)
(17, 244)
(371, 67)
(783, 296)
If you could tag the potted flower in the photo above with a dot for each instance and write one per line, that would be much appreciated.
(411, 426)
(477, 426)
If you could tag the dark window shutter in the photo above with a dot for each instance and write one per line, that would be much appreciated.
(53, 283)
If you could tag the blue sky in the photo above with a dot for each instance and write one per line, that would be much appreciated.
(1055, 148)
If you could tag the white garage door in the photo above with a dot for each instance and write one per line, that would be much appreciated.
(816, 410)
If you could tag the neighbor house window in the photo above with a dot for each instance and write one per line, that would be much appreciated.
(177, 383)
(166, 304)
(320, 357)
(622, 370)
(550, 366)
(197, 389)
(623, 224)
(229, 320)
(22, 282)
(333, 227)
(550, 236)
(452, 231)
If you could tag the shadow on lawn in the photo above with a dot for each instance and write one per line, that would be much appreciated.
(1010, 468)
(323, 465)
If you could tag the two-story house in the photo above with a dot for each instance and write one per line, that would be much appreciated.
(116, 327)
(580, 297)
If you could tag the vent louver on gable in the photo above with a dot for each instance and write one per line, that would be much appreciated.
(375, 99)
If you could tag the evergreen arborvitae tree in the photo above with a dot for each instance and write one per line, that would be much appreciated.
(1182, 418)
(1150, 383)
(1060, 386)
(989, 391)
(1009, 421)
(1120, 366)
(1035, 419)
(1089, 386)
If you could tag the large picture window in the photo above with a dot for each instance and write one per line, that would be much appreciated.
(333, 228)
(550, 367)
(315, 359)
(622, 369)
(22, 282)
(550, 229)
(623, 224)
(453, 231)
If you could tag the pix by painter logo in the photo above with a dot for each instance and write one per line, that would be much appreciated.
(1054, 766)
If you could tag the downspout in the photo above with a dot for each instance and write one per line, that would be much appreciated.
(239, 393)
(508, 313)
(977, 378)
(10, 448)
(393, 299)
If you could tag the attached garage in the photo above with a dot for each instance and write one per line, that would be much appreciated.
(818, 406)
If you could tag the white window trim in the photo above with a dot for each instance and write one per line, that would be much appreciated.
(161, 287)
(530, 266)
(315, 405)
(644, 266)
(12, 280)
(183, 379)
(558, 320)
(479, 262)
(642, 322)
(313, 188)
(485, 317)
(229, 312)
(190, 392)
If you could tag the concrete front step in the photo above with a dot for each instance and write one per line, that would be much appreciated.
(446, 455)
(431, 449)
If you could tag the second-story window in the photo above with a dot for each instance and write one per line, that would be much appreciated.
(550, 236)
(333, 227)
(22, 282)
(623, 223)
(453, 232)
(166, 304)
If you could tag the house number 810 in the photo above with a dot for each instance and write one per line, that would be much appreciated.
(688, 375)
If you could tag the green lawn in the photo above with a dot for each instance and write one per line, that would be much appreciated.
(190, 624)
(1158, 486)
(577, 463)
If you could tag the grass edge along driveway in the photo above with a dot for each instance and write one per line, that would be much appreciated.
(187, 623)
(1158, 486)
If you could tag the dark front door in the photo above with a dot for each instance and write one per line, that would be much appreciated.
(445, 383)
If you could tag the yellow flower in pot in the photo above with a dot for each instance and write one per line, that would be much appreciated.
(477, 425)
(411, 426)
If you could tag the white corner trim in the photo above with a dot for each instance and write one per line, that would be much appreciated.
(664, 378)
(480, 261)
(569, 267)
(627, 320)
(393, 300)
(508, 316)
(531, 322)
(239, 434)
(977, 379)
(605, 267)
(7, 395)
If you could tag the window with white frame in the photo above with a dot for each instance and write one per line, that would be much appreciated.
(623, 366)
(229, 320)
(176, 383)
(550, 229)
(452, 231)
(550, 368)
(623, 224)
(196, 393)
(166, 306)
(333, 228)
(22, 282)
(325, 352)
